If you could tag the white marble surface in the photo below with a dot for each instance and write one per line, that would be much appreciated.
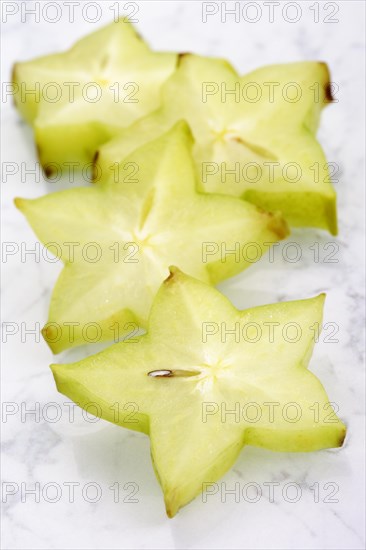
(41, 451)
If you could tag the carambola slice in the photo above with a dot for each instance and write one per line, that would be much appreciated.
(201, 392)
(117, 240)
(254, 135)
(85, 95)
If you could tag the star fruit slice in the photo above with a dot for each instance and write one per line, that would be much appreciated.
(202, 393)
(254, 135)
(117, 240)
(104, 82)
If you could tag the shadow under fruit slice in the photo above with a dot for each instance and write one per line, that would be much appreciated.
(117, 240)
(254, 135)
(85, 95)
(186, 372)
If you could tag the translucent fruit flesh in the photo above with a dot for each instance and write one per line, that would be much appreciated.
(182, 377)
(254, 135)
(127, 234)
(85, 95)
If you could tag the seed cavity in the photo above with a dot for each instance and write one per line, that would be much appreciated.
(147, 207)
(104, 62)
(256, 149)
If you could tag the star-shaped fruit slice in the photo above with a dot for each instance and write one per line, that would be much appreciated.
(117, 240)
(254, 135)
(85, 95)
(207, 380)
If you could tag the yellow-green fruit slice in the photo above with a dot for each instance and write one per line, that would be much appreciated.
(85, 95)
(117, 240)
(181, 382)
(254, 135)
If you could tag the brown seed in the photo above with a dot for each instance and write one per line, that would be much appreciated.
(160, 373)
